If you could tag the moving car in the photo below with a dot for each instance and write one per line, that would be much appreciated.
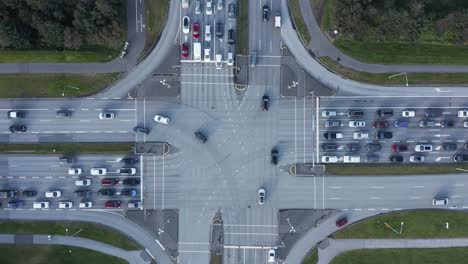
(423, 148)
(53, 194)
(274, 156)
(106, 192)
(427, 123)
(127, 171)
(208, 33)
(63, 114)
(399, 148)
(86, 205)
(196, 30)
(185, 3)
(360, 135)
(372, 158)
(329, 159)
(110, 181)
(380, 124)
(209, 7)
(161, 119)
(65, 159)
(353, 147)
(199, 135)
(41, 205)
(328, 113)
(374, 147)
(408, 113)
(383, 135)
(113, 204)
(460, 158)
(351, 159)
(185, 50)
(207, 57)
(332, 123)
(17, 129)
(332, 135)
(465, 123)
(463, 113)
(230, 58)
(15, 114)
(186, 25)
(98, 171)
(220, 5)
(83, 182)
(65, 205)
(271, 256)
(328, 147)
(29, 193)
(197, 7)
(261, 196)
(433, 112)
(401, 123)
(253, 59)
(232, 11)
(355, 113)
(385, 112)
(83, 193)
(265, 103)
(266, 13)
(130, 161)
(129, 192)
(440, 201)
(395, 159)
(15, 204)
(341, 222)
(357, 123)
(106, 115)
(449, 146)
(447, 124)
(75, 171)
(416, 158)
(142, 130)
(131, 181)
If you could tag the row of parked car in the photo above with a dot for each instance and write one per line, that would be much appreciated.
(83, 204)
(408, 113)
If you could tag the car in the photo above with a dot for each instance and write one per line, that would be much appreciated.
(231, 37)
(66, 160)
(17, 129)
(332, 135)
(372, 158)
(83, 182)
(463, 113)
(15, 204)
(449, 146)
(41, 205)
(15, 114)
(196, 30)
(200, 136)
(186, 25)
(98, 171)
(328, 113)
(106, 115)
(395, 159)
(232, 11)
(380, 124)
(265, 103)
(53, 194)
(113, 204)
(401, 123)
(408, 113)
(209, 7)
(185, 50)
(127, 171)
(447, 124)
(230, 58)
(341, 222)
(332, 123)
(357, 123)
(129, 192)
(63, 114)
(29, 193)
(161, 119)
(271, 256)
(274, 156)
(355, 113)
(360, 135)
(86, 205)
(75, 171)
(329, 159)
(416, 158)
(65, 205)
(219, 32)
(440, 201)
(353, 147)
(131, 181)
(142, 130)
(106, 192)
(433, 112)
(208, 33)
(110, 181)
(207, 57)
(427, 123)
(261, 196)
(134, 204)
(266, 13)
(185, 3)
(220, 5)
(374, 147)
(197, 7)
(328, 147)
(130, 161)
(351, 159)
(465, 123)
(253, 59)
(465, 146)
(423, 148)
(83, 193)
(385, 112)
(460, 158)
(399, 148)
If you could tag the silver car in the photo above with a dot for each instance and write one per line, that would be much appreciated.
(261, 196)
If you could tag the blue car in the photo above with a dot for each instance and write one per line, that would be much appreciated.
(401, 123)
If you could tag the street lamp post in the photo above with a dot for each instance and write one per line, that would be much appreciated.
(398, 74)
(68, 86)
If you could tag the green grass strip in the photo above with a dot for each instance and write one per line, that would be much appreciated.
(312, 258)
(393, 169)
(242, 43)
(97, 54)
(301, 27)
(67, 148)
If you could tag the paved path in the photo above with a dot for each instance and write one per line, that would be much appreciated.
(130, 256)
(338, 246)
(321, 46)
(136, 36)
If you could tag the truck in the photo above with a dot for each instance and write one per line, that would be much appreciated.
(197, 51)
(8, 193)
(15, 114)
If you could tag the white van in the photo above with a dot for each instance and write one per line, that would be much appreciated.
(351, 159)
(41, 205)
(277, 21)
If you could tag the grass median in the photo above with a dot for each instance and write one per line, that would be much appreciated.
(91, 231)
(242, 44)
(382, 78)
(312, 258)
(156, 11)
(67, 148)
(53, 85)
(301, 27)
(94, 54)
(393, 169)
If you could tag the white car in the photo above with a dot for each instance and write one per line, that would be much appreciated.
(209, 7)
(65, 205)
(207, 57)
(161, 119)
(357, 123)
(463, 113)
(351, 159)
(185, 3)
(271, 256)
(75, 171)
(465, 123)
(440, 201)
(230, 58)
(408, 113)
(329, 159)
(423, 148)
(41, 205)
(86, 204)
(207, 33)
(360, 135)
(220, 5)
(98, 171)
(416, 158)
(261, 196)
(106, 115)
(186, 25)
(83, 182)
(53, 194)
(328, 113)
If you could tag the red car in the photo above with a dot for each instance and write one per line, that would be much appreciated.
(196, 30)
(380, 124)
(110, 181)
(113, 204)
(399, 148)
(341, 222)
(185, 51)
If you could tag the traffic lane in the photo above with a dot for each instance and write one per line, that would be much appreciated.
(398, 103)
(71, 104)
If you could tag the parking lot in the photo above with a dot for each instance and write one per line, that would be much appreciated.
(431, 132)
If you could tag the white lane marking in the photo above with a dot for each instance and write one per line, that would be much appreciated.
(377, 187)
(375, 198)
(415, 197)
(336, 187)
(418, 186)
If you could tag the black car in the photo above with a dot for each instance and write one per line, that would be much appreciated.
(460, 158)
(372, 158)
(355, 113)
(143, 130)
(274, 157)
(106, 192)
(395, 159)
(433, 112)
(29, 193)
(68, 160)
(231, 37)
(449, 146)
(383, 135)
(266, 13)
(83, 193)
(385, 112)
(200, 136)
(332, 135)
(328, 147)
(447, 124)
(265, 103)
(219, 30)
(353, 147)
(17, 129)
(374, 147)
(63, 114)
(131, 181)
(129, 192)
(130, 161)
(16, 204)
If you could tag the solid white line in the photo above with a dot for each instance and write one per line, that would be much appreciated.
(154, 183)
(274, 226)
(304, 131)
(418, 186)
(159, 243)
(136, 16)
(377, 187)
(194, 251)
(223, 83)
(193, 243)
(247, 247)
(141, 179)
(149, 253)
(163, 180)
(261, 234)
(295, 129)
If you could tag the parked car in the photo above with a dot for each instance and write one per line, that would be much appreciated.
(329, 159)
(106, 115)
(449, 146)
(110, 181)
(127, 171)
(399, 148)
(385, 112)
(261, 196)
(274, 156)
(271, 256)
(433, 112)
(185, 50)
(65, 205)
(372, 158)
(351, 159)
(395, 159)
(134, 204)
(408, 113)
(29, 193)
(106, 192)
(360, 135)
(353, 147)
(332, 123)
(357, 123)
(401, 123)
(447, 124)
(328, 113)
(131, 181)
(209, 7)
(374, 147)
(423, 148)
(380, 124)
(208, 33)
(86, 205)
(113, 204)
(328, 147)
(232, 11)
(17, 129)
(129, 192)
(98, 171)
(53, 194)
(196, 30)
(83, 182)
(460, 158)
(220, 5)
(332, 135)
(83, 193)
(15, 204)
(186, 25)
(41, 205)
(463, 113)
(416, 158)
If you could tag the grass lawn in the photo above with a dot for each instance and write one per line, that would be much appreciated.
(299, 23)
(97, 54)
(407, 256)
(382, 78)
(67, 148)
(242, 42)
(91, 231)
(156, 11)
(215, 259)
(393, 169)
(403, 53)
(312, 258)
(54, 254)
(417, 224)
(53, 85)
